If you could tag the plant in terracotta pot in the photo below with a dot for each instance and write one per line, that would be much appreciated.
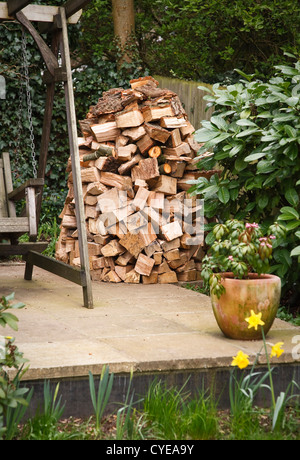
(235, 270)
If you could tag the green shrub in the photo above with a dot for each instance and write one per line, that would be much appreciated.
(13, 402)
(254, 134)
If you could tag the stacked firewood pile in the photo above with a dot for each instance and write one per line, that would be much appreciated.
(137, 155)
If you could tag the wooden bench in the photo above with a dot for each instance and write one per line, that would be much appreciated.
(12, 227)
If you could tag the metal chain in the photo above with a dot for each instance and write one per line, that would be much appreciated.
(29, 106)
(20, 128)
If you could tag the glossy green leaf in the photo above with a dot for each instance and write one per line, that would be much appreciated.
(246, 122)
(295, 251)
(292, 196)
(288, 211)
(248, 132)
(223, 195)
(255, 156)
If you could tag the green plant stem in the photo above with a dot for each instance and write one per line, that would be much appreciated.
(269, 369)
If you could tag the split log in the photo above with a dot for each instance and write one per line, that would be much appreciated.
(135, 222)
(121, 140)
(181, 149)
(157, 112)
(163, 184)
(122, 271)
(152, 279)
(107, 164)
(177, 168)
(187, 129)
(146, 169)
(125, 153)
(133, 243)
(190, 275)
(147, 234)
(132, 277)
(109, 200)
(120, 182)
(140, 183)
(140, 198)
(154, 152)
(88, 175)
(125, 168)
(145, 144)
(106, 131)
(172, 122)
(144, 265)
(137, 82)
(125, 259)
(156, 200)
(152, 248)
(167, 278)
(111, 277)
(134, 134)
(102, 151)
(173, 254)
(113, 248)
(165, 168)
(175, 138)
(129, 119)
(172, 230)
(157, 133)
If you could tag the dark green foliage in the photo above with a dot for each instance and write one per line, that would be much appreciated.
(196, 39)
(215, 36)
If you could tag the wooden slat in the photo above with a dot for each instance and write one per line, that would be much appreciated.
(72, 6)
(3, 203)
(38, 13)
(14, 225)
(8, 183)
(31, 212)
(21, 248)
(19, 193)
(55, 266)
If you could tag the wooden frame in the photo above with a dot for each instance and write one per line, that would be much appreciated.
(55, 19)
(12, 226)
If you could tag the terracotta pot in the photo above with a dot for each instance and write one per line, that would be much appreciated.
(258, 293)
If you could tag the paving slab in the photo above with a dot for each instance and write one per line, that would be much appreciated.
(147, 328)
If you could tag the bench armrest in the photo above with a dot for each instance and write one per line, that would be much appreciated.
(19, 192)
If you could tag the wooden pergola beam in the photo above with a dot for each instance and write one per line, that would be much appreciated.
(49, 58)
(38, 13)
(13, 6)
(72, 6)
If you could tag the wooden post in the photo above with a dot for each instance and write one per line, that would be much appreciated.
(46, 127)
(72, 129)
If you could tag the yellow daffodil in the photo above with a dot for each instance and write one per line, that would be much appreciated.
(276, 350)
(241, 360)
(254, 320)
